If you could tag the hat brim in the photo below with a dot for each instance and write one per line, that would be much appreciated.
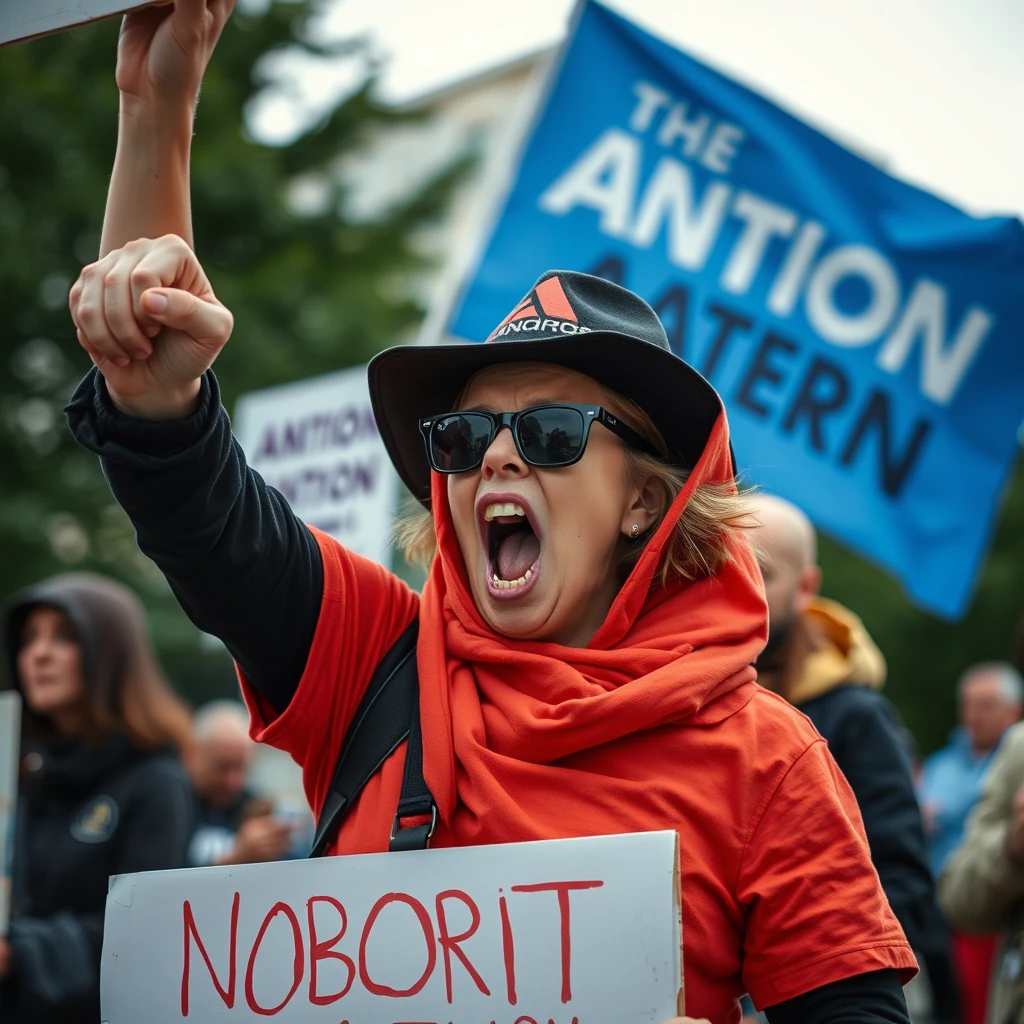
(409, 383)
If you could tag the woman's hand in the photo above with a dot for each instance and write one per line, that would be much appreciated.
(149, 319)
(163, 52)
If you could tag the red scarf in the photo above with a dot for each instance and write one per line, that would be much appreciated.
(499, 715)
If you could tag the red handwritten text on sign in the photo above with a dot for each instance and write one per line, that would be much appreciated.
(356, 963)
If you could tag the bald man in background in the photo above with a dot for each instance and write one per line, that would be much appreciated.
(821, 659)
(232, 826)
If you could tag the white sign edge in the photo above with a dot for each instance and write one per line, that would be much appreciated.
(17, 31)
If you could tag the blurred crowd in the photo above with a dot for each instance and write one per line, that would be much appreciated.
(117, 775)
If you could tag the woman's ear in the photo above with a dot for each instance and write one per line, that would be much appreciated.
(646, 508)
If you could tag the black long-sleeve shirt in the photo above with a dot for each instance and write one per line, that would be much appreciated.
(245, 569)
(241, 564)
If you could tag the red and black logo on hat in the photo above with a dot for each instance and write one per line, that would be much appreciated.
(544, 311)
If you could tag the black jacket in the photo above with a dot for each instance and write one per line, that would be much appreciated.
(83, 814)
(867, 742)
(869, 745)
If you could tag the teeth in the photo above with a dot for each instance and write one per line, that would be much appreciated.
(510, 584)
(503, 509)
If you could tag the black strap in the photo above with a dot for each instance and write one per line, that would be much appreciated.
(386, 716)
(416, 800)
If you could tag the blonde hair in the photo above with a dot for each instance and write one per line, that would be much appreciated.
(700, 542)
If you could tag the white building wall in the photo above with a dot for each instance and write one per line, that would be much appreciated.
(485, 117)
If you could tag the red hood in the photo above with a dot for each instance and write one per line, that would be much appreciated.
(663, 655)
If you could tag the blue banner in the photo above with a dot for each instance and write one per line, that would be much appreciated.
(865, 335)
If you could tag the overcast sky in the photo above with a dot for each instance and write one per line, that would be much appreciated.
(934, 88)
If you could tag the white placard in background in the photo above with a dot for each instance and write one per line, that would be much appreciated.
(316, 442)
(10, 743)
(572, 931)
(22, 19)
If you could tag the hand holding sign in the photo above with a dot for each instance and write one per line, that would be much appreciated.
(161, 57)
(163, 52)
(119, 306)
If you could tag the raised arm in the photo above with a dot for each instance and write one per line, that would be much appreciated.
(240, 562)
(162, 54)
(242, 565)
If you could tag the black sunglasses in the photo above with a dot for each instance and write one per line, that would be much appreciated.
(546, 436)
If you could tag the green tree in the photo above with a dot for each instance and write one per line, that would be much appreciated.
(311, 291)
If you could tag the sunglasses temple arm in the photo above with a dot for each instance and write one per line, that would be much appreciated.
(631, 437)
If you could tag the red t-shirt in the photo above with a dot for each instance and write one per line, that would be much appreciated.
(778, 893)
(657, 723)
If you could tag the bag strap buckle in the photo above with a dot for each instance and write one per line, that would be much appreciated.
(415, 838)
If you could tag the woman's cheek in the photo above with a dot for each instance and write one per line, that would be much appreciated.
(582, 550)
(461, 499)
(76, 684)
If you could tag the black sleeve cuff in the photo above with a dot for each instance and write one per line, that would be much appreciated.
(97, 424)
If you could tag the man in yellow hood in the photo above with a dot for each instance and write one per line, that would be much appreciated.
(822, 660)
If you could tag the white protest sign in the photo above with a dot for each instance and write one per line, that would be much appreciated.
(10, 743)
(316, 442)
(572, 931)
(22, 19)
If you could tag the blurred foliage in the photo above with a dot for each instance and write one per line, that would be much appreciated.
(311, 290)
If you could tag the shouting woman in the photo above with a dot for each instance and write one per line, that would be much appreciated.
(592, 610)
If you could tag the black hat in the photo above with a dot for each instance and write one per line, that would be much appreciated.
(575, 320)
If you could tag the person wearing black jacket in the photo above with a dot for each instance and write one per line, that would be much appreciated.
(102, 789)
(822, 660)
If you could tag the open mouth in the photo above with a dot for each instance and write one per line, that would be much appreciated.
(512, 545)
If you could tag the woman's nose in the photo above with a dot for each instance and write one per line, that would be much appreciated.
(502, 458)
(39, 648)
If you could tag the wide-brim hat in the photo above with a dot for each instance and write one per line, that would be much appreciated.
(570, 319)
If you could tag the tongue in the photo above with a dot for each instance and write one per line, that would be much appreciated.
(517, 553)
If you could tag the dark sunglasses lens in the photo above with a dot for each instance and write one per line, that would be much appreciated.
(551, 437)
(458, 442)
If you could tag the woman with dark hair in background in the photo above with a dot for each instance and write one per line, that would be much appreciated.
(102, 790)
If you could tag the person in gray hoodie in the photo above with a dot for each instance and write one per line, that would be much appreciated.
(102, 790)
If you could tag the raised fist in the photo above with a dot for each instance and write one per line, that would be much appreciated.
(149, 319)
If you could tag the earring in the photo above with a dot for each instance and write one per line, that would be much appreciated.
(635, 531)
